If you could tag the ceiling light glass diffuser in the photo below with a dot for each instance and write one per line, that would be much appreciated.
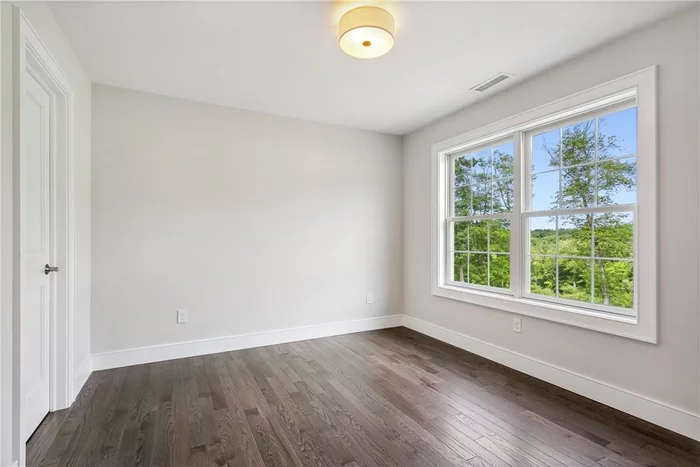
(366, 32)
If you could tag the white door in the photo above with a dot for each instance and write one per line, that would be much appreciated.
(35, 252)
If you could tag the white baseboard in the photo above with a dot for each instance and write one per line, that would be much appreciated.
(103, 361)
(81, 375)
(674, 419)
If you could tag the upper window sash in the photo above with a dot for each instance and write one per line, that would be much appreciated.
(627, 102)
(452, 187)
(581, 114)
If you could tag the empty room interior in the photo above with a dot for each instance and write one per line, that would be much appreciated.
(350, 233)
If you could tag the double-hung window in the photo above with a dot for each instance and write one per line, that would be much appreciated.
(480, 225)
(552, 213)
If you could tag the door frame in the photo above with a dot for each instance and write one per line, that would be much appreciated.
(30, 55)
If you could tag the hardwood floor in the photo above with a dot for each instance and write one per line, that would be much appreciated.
(44, 435)
(383, 398)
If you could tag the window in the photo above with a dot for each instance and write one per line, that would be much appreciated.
(482, 204)
(552, 213)
(580, 212)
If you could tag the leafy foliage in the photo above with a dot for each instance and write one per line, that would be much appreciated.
(586, 182)
(484, 185)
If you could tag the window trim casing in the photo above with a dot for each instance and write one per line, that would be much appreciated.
(640, 85)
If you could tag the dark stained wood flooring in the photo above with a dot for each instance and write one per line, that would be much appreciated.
(383, 398)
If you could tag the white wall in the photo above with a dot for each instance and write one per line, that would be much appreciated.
(6, 352)
(251, 222)
(41, 18)
(667, 372)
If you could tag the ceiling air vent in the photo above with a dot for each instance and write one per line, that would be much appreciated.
(491, 82)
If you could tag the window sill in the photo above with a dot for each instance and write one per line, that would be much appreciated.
(623, 326)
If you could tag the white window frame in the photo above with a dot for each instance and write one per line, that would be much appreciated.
(639, 87)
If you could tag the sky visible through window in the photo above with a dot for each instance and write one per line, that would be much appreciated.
(622, 126)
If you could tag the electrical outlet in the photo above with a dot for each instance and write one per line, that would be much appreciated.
(181, 316)
(517, 324)
(369, 298)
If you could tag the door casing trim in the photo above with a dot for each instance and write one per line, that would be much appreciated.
(31, 55)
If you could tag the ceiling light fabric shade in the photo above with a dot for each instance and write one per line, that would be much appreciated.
(366, 32)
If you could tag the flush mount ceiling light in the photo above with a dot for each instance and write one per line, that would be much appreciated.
(366, 32)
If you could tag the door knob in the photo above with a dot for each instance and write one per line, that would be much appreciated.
(48, 269)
